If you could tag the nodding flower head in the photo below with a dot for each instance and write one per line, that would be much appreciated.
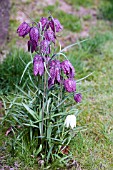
(68, 69)
(38, 65)
(55, 25)
(70, 121)
(23, 29)
(50, 36)
(32, 46)
(55, 70)
(44, 23)
(78, 97)
(45, 47)
(34, 34)
(70, 85)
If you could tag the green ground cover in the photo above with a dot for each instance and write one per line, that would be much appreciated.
(93, 147)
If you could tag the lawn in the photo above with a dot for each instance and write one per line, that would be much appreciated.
(92, 146)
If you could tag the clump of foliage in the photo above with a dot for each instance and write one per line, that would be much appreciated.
(42, 118)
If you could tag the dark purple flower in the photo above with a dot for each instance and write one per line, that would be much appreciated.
(50, 36)
(68, 69)
(23, 29)
(70, 85)
(45, 23)
(38, 65)
(55, 25)
(32, 46)
(78, 97)
(54, 72)
(34, 34)
(45, 47)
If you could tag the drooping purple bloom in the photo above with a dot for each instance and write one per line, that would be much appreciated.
(23, 29)
(45, 47)
(68, 69)
(54, 72)
(32, 46)
(44, 23)
(38, 65)
(70, 85)
(78, 97)
(50, 36)
(34, 34)
(55, 25)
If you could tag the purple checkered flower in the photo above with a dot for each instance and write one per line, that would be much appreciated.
(34, 34)
(45, 23)
(55, 25)
(70, 85)
(32, 46)
(38, 65)
(23, 29)
(54, 72)
(68, 69)
(78, 97)
(50, 36)
(45, 47)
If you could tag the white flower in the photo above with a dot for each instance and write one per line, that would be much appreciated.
(70, 121)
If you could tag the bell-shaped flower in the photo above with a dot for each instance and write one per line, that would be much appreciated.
(50, 36)
(34, 34)
(32, 46)
(44, 23)
(45, 47)
(55, 25)
(70, 85)
(68, 69)
(38, 65)
(55, 70)
(78, 97)
(70, 121)
(23, 29)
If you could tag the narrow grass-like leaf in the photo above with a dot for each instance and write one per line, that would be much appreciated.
(25, 70)
(30, 111)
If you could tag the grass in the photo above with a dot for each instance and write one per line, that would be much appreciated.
(77, 3)
(93, 147)
(11, 70)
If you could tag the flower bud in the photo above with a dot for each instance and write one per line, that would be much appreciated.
(78, 97)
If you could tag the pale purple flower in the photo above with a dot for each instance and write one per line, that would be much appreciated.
(23, 29)
(54, 72)
(70, 85)
(78, 97)
(50, 35)
(55, 25)
(34, 34)
(45, 23)
(38, 65)
(68, 69)
(32, 46)
(45, 47)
